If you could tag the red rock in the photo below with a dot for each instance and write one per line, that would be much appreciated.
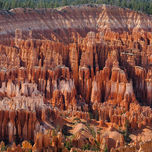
(69, 65)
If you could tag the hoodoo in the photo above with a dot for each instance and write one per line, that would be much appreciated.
(76, 78)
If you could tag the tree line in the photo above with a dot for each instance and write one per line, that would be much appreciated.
(138, 5)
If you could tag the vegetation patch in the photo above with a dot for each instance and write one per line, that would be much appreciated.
(137, 5)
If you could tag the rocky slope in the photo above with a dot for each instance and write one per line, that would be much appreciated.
(88, 63)
(60, 24)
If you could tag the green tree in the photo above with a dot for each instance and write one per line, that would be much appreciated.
(64, 2)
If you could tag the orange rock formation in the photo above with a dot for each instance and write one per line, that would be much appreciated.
(73, 60)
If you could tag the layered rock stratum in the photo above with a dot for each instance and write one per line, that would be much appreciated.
(84, 72)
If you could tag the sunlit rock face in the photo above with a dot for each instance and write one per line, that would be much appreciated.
(73, 60)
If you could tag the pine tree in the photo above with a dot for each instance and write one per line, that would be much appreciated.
(7, 5)
(64, 2)
(1, 4)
